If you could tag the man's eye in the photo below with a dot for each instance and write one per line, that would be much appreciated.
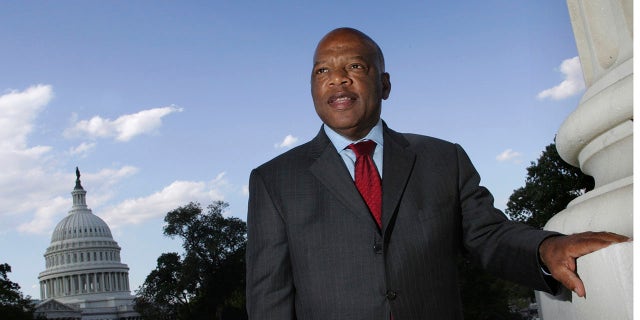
(357, 66)
(321, 70)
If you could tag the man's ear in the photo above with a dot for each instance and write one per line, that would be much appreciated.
(386, 85)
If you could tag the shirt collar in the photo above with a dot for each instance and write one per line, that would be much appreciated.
(341, 142)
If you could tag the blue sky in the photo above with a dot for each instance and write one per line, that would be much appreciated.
(163, 102)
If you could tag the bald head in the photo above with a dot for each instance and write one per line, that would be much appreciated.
(355, 35)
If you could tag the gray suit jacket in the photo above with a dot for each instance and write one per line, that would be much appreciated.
(315, 252)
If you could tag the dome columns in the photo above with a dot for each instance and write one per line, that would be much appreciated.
(74, 284)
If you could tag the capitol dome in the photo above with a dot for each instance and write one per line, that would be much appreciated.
(83, 268)
(81, 225)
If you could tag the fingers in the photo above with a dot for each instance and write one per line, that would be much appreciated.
(605, 236)
(559, 254)
(571, 281)
(580, 244)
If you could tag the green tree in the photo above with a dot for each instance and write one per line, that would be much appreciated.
(486, 297)
(208, 281)
(13, 305)
(550, 185)
(163, 294)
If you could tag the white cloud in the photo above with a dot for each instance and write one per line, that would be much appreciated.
(288, 141)
(573, 81)
(18, 110)
(50, 200)
(25, 178)
(35, 191)
(83, 149)
(509, 155)
(125, 127)
(102, 183)
(156, 205)
(46, 216)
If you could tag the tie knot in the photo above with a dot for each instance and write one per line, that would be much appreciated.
(363, 148)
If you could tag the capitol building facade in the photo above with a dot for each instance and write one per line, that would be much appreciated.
(84, 278)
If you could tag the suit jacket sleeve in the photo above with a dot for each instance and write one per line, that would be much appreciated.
(505, 248)
(270, 290)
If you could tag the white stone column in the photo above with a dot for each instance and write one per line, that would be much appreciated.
(598, 138)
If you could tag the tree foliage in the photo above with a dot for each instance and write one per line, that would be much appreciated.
(207, 281)
(550, 185)
(13, 305)
(486, 297)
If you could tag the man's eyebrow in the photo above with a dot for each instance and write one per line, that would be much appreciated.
(358, 57)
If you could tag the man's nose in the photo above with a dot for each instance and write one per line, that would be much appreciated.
(340, 77)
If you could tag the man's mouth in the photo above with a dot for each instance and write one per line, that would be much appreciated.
(342, 99)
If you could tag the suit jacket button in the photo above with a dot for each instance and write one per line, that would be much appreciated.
(391, 295)
(377, 248)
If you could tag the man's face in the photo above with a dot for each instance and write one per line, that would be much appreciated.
(348, 83)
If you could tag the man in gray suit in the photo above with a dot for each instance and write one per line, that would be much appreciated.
(316, 252)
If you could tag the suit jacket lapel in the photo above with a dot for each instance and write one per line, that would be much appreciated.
(398, 163)
(331, 171)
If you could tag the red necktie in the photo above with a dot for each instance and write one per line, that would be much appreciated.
(367, 178)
